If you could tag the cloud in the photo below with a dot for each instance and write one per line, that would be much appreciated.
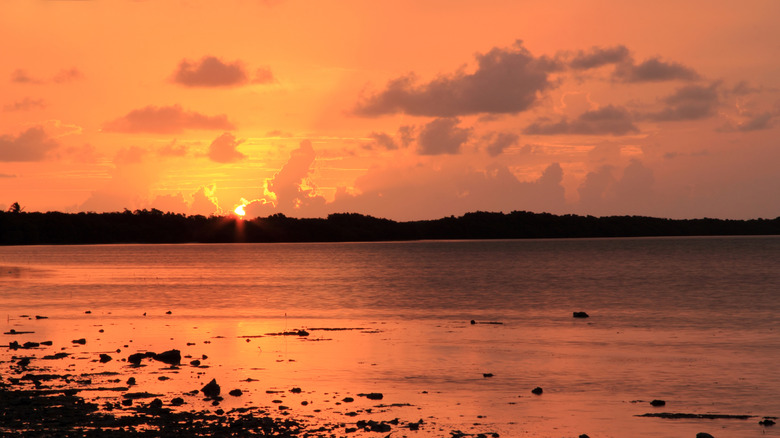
(210, 71)
(166, 120)
(742, 88)
(83, 154)
(223, 149)
(692, 102)
(601, 193)
(756, 123)
(608, 120)
(170, 203)
(21, 76)
(7, 175)
(598, 57)
(25, 104)
(130, 155)
(506, 81)
(499, 141)
(290, 189)
(204, 201)
(653, 70)
(31, 145)
(263, 75)
(442, 136)
(382, 140)
(68, 75)
(173, 149)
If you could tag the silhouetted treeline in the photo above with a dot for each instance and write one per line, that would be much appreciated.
(154, 226)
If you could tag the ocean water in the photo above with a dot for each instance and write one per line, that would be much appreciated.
(692, 321)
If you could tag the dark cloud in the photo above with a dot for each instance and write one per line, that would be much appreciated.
(742, 88)
(609, 120)
(506, 81)
(31, 145)
(692, 102)
(68, 75)
(653, 70)
(210, 71)
(25, 104)
(223, 149)
(442, 136)
(499, 141)
(598, 57)
(166, 120)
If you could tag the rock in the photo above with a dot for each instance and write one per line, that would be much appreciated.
(236, 393)
(348, 400)
(81, 341)
(47, 343)
(23, 362)
(704, 435)
(766, 422)
(136, 358)
(658, 403)
(88, 312)
(473, 322)
(584, 435)
(414, 426)
(13, 345)
(211, 390)
(580, 315)
(131, 381)
(296, 390)
(105, 358)
(178, 401)
(168, 312)
(372, 395)
(195, 363)
(31, 345)
(127, 402)
(537, 391)
(156, 404)
(487, 375)
(41, 317)
(171, 357)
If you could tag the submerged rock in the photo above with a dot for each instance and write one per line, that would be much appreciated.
(211, 390)
(658, 403)
(372, 396)
(538, 390)
(704, 435)
(236, 393)
(105, 358)
(766, 422)
(580, 315)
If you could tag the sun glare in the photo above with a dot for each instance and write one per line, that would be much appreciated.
(239, 211)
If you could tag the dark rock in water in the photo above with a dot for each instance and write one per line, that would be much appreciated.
(658, 403)
(136, 358)
(168, 312)
(584, 435)
(31, 345)
(105, 358)
(131, 381)
(156, 404)
(23, 362)
(704, 435)
(13, 345)
(195, 363)
(766, 422)
(580, 315)
(537, 391)
(414, 426)
(127, 402)
(171, 357)
(81, 341)
(348, 400)
(236, 392)
(487, 374)
(88, 312)
(178, 401)
(41, 317)
(47, 343)
(296, 390)
(372, 395)
(211, 390)
(473, 322)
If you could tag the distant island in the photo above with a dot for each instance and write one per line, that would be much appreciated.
(154, 226)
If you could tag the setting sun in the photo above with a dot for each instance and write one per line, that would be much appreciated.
(239, 211)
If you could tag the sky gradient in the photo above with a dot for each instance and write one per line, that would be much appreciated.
(404, 109)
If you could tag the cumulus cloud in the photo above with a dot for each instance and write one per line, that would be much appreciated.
(25, 104)
(506, 81)
(382, 140)
(210, 71)
(499, 141)
(609, 120)
(603, 193)
(31, 145)
(224, 149)
(442, 136)
(170, 203)
(653, 70)
(290, 190)
(166, 120)
(598, 57)
(742, 88)
(205, 202)
(692, 102)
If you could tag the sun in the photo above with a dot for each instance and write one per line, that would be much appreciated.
(239, 211)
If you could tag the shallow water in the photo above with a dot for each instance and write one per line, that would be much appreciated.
(692, 321)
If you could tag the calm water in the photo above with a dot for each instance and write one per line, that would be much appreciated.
(693, 321)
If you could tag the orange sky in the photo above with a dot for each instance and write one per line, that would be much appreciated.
(402, 109)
